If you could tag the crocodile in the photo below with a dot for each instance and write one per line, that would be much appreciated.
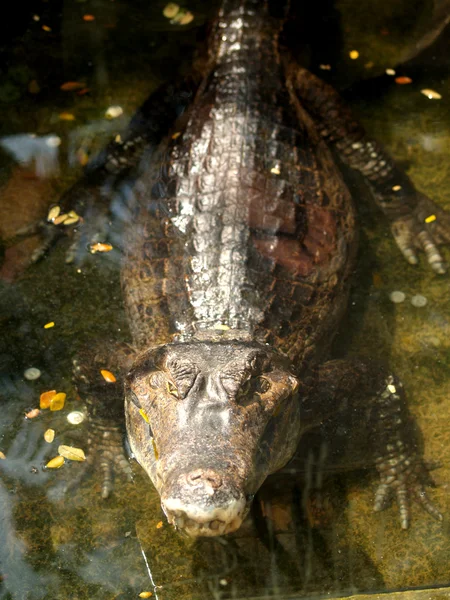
(239, 245)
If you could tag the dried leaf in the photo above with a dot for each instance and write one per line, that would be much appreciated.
(145, 594)
(88, 18)
(171, 10)
(33, 413)
(55, 463)
(159, 525)
(58, 401)
(49, 325)
(99, 247)
(53, 213)
(108, 376)
(49, 435)
(2, 456)
(45, 398)
(72, 453)
(403, 80)
(431, 94)
(71, 86)
(66, 116)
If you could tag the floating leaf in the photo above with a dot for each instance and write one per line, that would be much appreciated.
(171, 10)
(71, 86)
(46, 28)
(88, 18)
(2, 456)
(354, 54)
(145, 595)
(403, 80)
(159, 525)
(60, 219)
(431, 94)
(49, 325)
(58, 401)
(113, 112)
(66, 116)
(72, 453)
(108, 376)
(33, 413)
(55, 463)
(99, 247)
(49, 435)
(45, 398)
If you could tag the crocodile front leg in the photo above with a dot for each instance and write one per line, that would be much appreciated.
(363, 409)
(416, 221)
(98, 376)
(101, 195)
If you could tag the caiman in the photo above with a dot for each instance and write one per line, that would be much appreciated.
(240, 242)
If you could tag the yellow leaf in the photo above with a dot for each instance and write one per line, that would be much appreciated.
(45, 398)
(58, 401)
(55, 463)
(72, 453)
(108, 376)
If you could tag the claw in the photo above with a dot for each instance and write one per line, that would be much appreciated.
(434, 258)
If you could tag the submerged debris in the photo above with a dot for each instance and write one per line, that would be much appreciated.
(75, 417)
(33, 413)
(32, 373)
(397, 297)
(49, 436)
(419, 301)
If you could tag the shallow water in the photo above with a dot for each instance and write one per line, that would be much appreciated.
(79, 546)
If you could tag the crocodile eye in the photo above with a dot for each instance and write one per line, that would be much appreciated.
(172, 389)
(156, 380)
(261, 385)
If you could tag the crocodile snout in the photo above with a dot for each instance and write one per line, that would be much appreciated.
(203, 503)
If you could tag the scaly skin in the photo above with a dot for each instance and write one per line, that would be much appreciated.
(238, 254)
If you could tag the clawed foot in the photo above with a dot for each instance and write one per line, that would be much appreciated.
(105, 457)
(424, 229)
(401, 479)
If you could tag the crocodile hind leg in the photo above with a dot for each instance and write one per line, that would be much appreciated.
(101, 195)
(365, 418)
(416, 221)
(98, 376)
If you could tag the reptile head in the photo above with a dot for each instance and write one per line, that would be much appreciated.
(209, 422)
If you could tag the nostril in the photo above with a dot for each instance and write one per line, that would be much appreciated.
(208, 476)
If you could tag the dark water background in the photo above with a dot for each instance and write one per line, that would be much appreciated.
(80, 547)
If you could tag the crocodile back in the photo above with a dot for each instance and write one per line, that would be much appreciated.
(242, 227)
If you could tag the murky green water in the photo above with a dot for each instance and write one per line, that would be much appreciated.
(80, 547)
